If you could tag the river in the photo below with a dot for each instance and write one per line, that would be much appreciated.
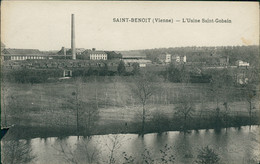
(232, 145)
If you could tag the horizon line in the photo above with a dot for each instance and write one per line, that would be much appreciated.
(6, 47)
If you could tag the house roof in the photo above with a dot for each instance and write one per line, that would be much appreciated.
(25, 55)
(21, 51)
(111, 52)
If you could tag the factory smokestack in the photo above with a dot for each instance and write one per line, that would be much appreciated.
(73, 49)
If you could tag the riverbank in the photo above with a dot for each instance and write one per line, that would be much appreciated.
(159, 125)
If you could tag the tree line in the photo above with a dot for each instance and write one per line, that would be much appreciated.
(210, 55)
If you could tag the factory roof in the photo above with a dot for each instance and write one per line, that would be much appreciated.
(133, 57)
(22, 51)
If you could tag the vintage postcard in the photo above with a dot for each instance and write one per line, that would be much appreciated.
(130, 82)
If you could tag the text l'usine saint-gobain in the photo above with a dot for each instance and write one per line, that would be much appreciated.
(171, 20)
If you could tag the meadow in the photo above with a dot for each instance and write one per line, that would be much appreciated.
(51, 106)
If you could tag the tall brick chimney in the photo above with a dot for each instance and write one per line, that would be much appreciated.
(73, 49)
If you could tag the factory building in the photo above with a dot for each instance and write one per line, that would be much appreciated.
(130, 60)
(23, 54)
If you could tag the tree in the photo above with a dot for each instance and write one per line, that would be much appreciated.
(121, 68)
(207, 155)
(91, 115)
(113, 143)
(136, 68)
(16, 151)
(86, 112)
(160, 121)
(227, 86)
(184, 75)
(216, 85)
(85, 152)
(104, 70)
(77, 108)
(143, 89)
(250, 94)
(90, 71)
(250, 90)
(113, 55)
(173, 74)
(185, 109)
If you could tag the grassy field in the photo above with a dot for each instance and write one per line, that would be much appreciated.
(53, 104)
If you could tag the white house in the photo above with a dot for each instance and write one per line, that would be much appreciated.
(97, 55)
(179, 59)
(165, 58)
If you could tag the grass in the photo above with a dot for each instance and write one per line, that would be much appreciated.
(50, 105)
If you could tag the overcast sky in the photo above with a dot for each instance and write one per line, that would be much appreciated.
(46, 25)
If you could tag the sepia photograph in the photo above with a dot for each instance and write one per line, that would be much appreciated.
(130, 82)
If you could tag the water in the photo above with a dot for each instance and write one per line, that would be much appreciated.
(232, 145)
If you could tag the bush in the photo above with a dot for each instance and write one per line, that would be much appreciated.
(207, 156)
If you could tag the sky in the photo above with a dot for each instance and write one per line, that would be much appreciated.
(47, 25)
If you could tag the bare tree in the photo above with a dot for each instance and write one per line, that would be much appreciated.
(113, 143)
(143, 89)
(115, 83)
(250, 95)
(87, 151)
(221, 87)
(91, 115)
(15, 151)
(84, 152)
(75, 93)
(66, 153)
(86, 112)
(227, 89)
(250, 89)
(216, 85)
(185, 109)
(96, 92)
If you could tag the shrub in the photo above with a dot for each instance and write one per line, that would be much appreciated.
(207, 156)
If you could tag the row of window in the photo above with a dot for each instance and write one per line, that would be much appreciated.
(98, 55)
(98, 58)
(26, 57)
